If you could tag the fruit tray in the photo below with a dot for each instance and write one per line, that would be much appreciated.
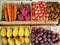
(51, 30)
(28, 16)
(16, 35)
(38, 35)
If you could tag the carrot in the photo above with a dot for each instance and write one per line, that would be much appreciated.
(6, 14)
(9, 12)
(12, 13)
(15, 11)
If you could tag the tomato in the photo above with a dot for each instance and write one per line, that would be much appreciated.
(33, 3)
(39, 11)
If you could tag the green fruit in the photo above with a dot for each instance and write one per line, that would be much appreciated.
(3, 32)
(27, 32)
(15, 32)
(21, 31)
(9, 32)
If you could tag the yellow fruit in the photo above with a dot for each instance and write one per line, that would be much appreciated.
(4, 41)
(11, 41)
(9, 32)
(3, 32)
(27, 31)
(22, 39)
(18, 42)
(15, 32)
(27, 40)
(21, 31)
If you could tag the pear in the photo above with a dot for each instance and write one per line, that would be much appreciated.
(15, 32)
(21, 31)
(9, 32)
(27, 40)
(22, 39)
(27, 31)
(3, 32)
(4, 41)
(11, 41)
(18, 42)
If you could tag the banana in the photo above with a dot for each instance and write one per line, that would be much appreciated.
(9, 32)
(15, 32)
(4, 41)
(3, 32)
(27, 31)
(21, 31)
(22, 39)
(27, 40)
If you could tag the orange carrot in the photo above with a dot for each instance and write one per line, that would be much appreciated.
(15, 11)
(6, 14)
(12, 13)
(9, 12)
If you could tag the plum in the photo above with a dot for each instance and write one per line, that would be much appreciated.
(43, 37)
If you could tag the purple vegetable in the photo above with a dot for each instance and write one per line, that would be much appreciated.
(20, 17)
(27, 17)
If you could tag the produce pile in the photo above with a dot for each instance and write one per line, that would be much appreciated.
(14, 12)
(15, 36)
(36, 11)
(39, 11)
(41, 36)
(53, 9)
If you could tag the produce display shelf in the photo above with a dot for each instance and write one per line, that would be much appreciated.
(31, 23)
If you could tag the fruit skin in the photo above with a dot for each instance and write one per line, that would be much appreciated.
(22, 39)
(27, 17)
(18, 41)
(11, 41)
(20, 17)
(4, 41)
(21, 31)
(27, 40)
(3, 32)
(9, 32)
(27, 31)
(15, 32)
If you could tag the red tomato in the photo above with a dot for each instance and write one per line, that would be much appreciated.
(38, 18)
(36, 12)
(33, 3)
(38, 8)
(36, 15)
(40, 14)
(41, 19)
(39, 11)
(46, 18)
(33, 17)
(42, 11)
(33, 6)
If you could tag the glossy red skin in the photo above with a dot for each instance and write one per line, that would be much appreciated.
(39, 11)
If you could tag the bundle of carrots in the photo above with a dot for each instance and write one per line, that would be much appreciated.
(10, 12)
